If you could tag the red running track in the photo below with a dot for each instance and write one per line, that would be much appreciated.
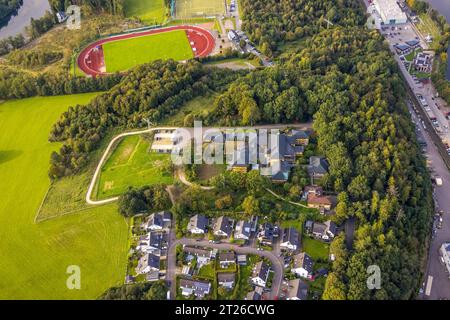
(91, 60)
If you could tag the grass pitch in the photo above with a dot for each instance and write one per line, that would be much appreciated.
(198, 8)
(149, 11)
(125, 54)
(131, 164)
(35, 257)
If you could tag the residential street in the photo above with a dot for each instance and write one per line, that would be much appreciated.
(277, 265)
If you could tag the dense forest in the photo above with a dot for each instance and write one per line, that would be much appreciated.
(140, 291)
(90, 6)
(8, 8)
(152, 91)
(270, 22)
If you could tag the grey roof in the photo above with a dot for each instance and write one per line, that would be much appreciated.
(412, 43)
(166, 215)
(200, 287)
(291, 235)
(401, 47)
(261, 270)
(298, 289)
(156, 219)
(149, 260)
(317, 165)
(303, 260)
(319, 228)
(243, 227)
(332, 227)
(267, 232)
(197, 251)
(223, 224)
(155, 239)
(198, 221)
(447, 247)
(298, 134)
(309, 224)
(226, 277)
(227, 256)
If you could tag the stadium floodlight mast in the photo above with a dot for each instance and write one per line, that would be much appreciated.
(328, 23)
(149, 123)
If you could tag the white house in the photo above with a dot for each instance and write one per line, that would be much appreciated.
(303, 265)
(194, 287)
(198, 224)
(148, 263)
(226, 259)
(242, 230)
(291, 239)
(260, 274)
(158, 221)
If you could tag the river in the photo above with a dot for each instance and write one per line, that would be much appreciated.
(443, 6)
(30, 9)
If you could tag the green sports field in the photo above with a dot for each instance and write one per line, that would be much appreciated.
(125, 54)
(198, 8)
(35, 257)
(131, 164)
(149, 11)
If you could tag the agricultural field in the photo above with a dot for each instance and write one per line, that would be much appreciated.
(131, 164)
(149, 11)
(125, 54)
(35, 256)
(198, 8)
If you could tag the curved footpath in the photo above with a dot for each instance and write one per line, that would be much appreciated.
(103, 159)
(277, 265)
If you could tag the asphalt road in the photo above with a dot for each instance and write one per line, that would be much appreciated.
(277, 265)
(440, 287)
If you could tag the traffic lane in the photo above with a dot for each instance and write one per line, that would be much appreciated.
(277, 265)
(441, 283)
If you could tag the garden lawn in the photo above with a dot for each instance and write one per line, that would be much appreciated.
(35, 257)
(196, 8)
(315, 248)
(149, 11)
(131, 164)
(122, 55)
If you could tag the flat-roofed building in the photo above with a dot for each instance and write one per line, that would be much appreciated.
(390, 12)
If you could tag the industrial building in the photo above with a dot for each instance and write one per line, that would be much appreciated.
(390, 12)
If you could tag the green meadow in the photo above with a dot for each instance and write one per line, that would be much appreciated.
(132, 164)
(149, 11)
(124, 54)
(35, 256)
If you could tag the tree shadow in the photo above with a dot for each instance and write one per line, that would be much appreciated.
(8, 155)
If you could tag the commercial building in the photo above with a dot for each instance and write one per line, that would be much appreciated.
(390, 12)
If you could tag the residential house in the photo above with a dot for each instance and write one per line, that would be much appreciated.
(319, 202)
(291, 239)
(298, 137)
(198, 224)
(198, 288)
(315, 190)
(226, 259)
(242, 230)
(317, 167)
(303, 265)
(260, 274)
(324, 231)
(203, 255)
(298, 290)
(226, 279)
(158, 221)
(223, 227)
(266, 236)
(445, 253)
(147, 263)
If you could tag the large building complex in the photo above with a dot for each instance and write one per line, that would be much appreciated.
(390, 12)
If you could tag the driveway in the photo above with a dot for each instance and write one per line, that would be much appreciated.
(277, 265)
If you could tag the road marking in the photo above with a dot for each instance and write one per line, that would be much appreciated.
(429, 284)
